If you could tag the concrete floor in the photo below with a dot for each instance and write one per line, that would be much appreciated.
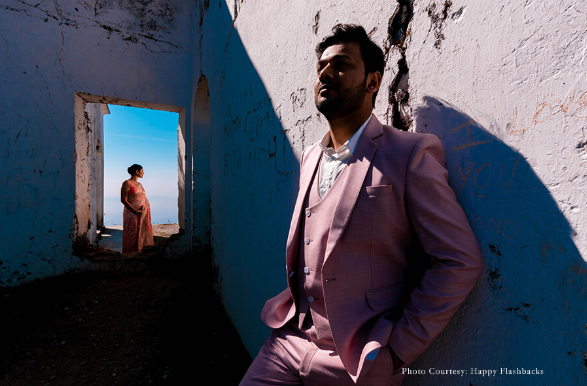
(111, 236)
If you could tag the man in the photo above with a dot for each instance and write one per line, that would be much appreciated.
(361, 302)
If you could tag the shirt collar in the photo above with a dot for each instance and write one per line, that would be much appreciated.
(349, 145)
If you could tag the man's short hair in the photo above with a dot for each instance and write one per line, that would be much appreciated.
(371, 53)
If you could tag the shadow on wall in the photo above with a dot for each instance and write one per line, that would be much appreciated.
(254, 176)
(528, 310)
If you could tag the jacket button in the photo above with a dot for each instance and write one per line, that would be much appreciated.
(306, 269)
(308, 213)
(307, 241)
(310, 299)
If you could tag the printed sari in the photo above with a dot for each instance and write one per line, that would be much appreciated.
(137, 231)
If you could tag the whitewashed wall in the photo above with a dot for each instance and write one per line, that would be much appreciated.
(129, 51)
(259, 62)
(501, 83)
(95, 163)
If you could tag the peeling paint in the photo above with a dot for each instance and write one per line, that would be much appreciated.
(202, 8)
(150, 16)
(437, 20)
(71, 46)
(492, 98)
(521, 310)
(493, 275)
(398, 98)
(316, 25)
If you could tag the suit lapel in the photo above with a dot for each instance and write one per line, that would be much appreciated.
(358, 167)
(311, 162)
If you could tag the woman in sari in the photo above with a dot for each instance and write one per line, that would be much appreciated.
(137, 231)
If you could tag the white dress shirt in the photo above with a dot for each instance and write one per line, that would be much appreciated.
(334, 161)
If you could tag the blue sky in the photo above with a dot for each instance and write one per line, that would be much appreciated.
(148, 138)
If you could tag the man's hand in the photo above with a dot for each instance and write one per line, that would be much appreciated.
(397, 362)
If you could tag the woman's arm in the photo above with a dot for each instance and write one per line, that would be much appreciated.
(124, 198)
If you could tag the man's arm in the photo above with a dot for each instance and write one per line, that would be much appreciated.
(445, 234)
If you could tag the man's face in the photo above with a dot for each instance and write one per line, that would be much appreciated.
(340, 86)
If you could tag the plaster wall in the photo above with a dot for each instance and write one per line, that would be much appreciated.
(126, 52)
(95, 113)
(201, 134)
(502, 84)
(260, 72)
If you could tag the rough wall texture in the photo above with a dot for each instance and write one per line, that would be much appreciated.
(95, 113)
(507, 98)
(501, 83)
(51, 50)
(260, 74)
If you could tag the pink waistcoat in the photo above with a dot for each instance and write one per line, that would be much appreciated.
(317, 217)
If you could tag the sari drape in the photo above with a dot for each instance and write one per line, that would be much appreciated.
(137, 230)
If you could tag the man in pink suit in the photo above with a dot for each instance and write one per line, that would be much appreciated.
(379, 255)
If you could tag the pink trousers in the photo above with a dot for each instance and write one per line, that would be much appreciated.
(294, 357)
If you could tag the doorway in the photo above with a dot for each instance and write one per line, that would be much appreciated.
(134, 135)
(112, 134)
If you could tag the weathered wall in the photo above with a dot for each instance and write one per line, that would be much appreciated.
(51, 50)
(201, 135)
(260, 74)
(94, 117)
(507, 97)
(501, 84)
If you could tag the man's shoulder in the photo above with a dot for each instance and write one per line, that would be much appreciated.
(312, 148)
(407, 139)
(308, 151)
(407, 135)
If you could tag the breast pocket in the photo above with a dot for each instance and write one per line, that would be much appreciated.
(376, 191)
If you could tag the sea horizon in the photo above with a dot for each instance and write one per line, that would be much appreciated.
(164, 210)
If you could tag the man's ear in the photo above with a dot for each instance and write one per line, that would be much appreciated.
(373, 82)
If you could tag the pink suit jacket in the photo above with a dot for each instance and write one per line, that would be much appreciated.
(394, 202)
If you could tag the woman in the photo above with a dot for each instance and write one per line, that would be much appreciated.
(136, 222)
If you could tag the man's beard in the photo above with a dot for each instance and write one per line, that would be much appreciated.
(347, 102)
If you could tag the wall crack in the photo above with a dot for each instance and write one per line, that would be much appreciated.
(316, 25)
(398, 109)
